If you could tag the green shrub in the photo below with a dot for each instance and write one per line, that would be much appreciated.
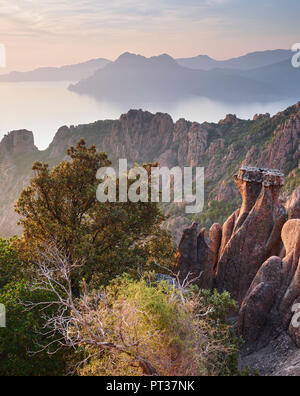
(22, 335)
(10, 265)
(178, 332)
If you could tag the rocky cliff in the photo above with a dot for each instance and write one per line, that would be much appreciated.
(255, 256)
(273, 297)
(17, 151)
(141, 137)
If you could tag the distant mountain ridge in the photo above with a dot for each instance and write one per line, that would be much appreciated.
(84, 70)
(249, 61)
(65, 73)
(137, 78)
(282, 75)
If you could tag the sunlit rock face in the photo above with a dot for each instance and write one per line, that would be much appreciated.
(230, 256)
(15, 149)
(255, 256)
(17, 142)
(271, 304)
(197, 255)
(293, 205)
(253, 233)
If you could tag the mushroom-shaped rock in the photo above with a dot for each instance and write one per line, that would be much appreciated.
(255, 229)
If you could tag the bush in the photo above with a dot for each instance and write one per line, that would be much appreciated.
(22, 335)
(10, 265)
(177, 332)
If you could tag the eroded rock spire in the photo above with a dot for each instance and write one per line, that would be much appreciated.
(230, 256)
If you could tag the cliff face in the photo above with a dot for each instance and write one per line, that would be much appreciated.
(293, 205)
(17, 142)
(141, 136)
(144, 137)
(284, 144)
(16, 150)
(230, 256)
(255, 256)
(254, 234)
(272, 301)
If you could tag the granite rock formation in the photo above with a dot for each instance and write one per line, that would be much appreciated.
(271, 304)
(262, 116)
(197, 255)
(17, 152)
(285, 142)
(253, 234)
(256, 257)
(293, 205)
(17, 142)
(231, 256)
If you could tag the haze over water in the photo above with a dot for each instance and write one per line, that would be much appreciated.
(43, 107)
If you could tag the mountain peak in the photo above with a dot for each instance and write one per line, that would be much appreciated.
(21, 141)
(130, 58)
(249, 61)
(163, 59)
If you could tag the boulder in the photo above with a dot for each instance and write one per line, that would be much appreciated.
(256, 314)
(272, 303)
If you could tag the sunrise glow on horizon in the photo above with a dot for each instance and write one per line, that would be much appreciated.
(54, 33)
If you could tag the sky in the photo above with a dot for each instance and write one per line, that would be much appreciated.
(56, 32)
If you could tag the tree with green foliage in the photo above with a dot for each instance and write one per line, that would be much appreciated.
(60, 207)
(10, 265)
(22, 344)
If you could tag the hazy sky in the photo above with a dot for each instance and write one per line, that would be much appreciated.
(56, 32)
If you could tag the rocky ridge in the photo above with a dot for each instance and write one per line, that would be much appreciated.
(141, 137)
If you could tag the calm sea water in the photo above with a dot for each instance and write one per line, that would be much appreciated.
(44, 107)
